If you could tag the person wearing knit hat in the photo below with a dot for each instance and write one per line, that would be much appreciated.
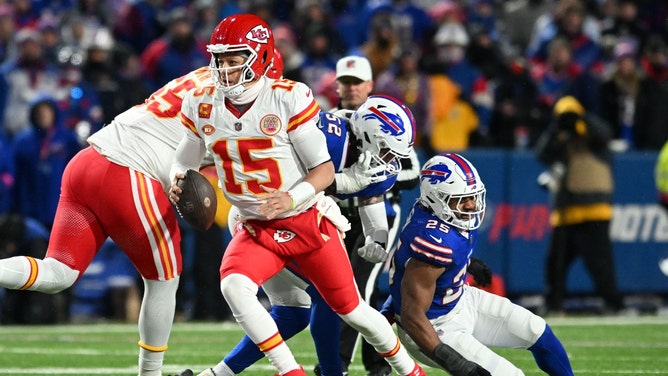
(575, 148)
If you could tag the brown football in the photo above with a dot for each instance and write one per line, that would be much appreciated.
(197, 203)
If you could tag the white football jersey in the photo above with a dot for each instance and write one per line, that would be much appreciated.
(254, 147)
(145, 136)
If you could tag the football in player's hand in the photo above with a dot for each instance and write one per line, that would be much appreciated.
(197, 203)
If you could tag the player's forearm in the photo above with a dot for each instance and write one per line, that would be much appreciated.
(189, 154)
(321, 176)
(374, 221)
(419, 328)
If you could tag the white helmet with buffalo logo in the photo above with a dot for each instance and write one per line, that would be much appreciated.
(446, 181)
(385, 127)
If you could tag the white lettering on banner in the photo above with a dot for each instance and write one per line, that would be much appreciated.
(639, 223)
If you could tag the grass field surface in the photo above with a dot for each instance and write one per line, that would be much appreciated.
(596, 346)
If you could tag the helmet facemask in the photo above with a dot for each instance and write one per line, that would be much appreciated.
(382, 155)
(221, 75)
(452, 212)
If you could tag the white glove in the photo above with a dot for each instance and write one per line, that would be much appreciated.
(344, 113)
(372, 251)
(359, 176)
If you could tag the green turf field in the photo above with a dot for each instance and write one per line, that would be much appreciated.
(597, 346)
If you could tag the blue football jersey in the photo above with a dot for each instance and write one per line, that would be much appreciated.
(426, 238)
(339, 139)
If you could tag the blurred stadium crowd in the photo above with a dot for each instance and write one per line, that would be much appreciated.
(475, 73)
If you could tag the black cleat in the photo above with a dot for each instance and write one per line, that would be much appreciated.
(384, 370)
(186, 372)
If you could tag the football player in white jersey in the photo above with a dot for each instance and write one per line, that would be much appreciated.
(117, 188)
(435, 309)
(273, 164)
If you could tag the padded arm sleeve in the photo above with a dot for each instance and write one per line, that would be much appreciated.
(310, 144)
(189, 154)
(374, 222)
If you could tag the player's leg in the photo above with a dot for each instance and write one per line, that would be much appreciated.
(325, 330)
(595, 247)
(501, 323)
(373, 363)
(290, 309)
(561, 255)
(240, 278)
(458, 329)
(362, 270)
(336, 285)
(75, 237)
(144, 225)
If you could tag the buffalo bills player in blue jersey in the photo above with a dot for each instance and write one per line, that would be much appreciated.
(434, 309)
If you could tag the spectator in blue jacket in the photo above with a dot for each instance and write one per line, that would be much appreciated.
(6, 172)
(40, 153)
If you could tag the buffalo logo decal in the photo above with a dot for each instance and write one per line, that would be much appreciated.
(437, 173)
(389, 123)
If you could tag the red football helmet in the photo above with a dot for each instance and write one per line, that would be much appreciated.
(245, 33)
(276, 69)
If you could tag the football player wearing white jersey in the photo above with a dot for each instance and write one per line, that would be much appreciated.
(365, 149)
(117, 188)
(273, 165)
(434, 309)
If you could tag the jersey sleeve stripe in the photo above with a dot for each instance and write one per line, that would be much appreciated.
(309, 113)
(430, 255)
(189, 124)
(437, 252)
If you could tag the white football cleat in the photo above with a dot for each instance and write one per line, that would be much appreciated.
(207, 372)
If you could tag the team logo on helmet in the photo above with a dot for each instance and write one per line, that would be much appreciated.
(270, 124)
(259, 34)
(204, 110)
(437, 173)
(389, 123)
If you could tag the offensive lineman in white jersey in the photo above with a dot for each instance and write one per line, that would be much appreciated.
(117, 187)
(273, 164)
